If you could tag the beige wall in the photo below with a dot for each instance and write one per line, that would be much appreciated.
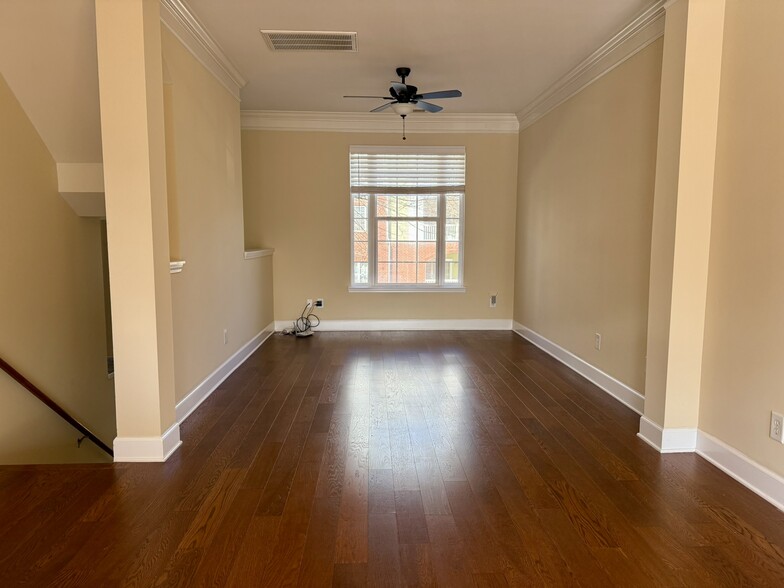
(585, 198)
(743, 371)
(297, 201)
(52, 324)
(218, 289)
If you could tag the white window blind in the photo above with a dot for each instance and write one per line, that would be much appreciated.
(407, 217)
(414, 170)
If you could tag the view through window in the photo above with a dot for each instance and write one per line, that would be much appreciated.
(407, 217)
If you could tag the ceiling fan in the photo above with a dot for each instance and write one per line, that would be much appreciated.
(405, 99)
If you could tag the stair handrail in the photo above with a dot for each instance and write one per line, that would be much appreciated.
(35, 391)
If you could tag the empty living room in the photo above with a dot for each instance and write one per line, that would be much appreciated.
(441, 293)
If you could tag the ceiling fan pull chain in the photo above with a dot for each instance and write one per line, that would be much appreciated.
(404, 127)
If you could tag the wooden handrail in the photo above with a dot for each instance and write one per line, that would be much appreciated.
(35, 391)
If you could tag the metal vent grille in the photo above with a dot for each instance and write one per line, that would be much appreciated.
(309, 40)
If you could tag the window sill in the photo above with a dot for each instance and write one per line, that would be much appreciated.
(254, 253)
(442, 290)
(176, 265)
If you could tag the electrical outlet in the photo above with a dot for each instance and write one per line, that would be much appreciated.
(493, 300)
(319, 303)
(309, 302)
(777, 427)
(225, 336)
(597, 341)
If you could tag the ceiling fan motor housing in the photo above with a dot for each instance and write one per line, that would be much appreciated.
(403, 72)
(404, 98)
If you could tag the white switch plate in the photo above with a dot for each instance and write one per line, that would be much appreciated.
(597, 341)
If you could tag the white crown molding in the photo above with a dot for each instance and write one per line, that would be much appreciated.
(201, 392)
(669, 3)
(407, 325)
(606, 382)
(366, 122)
(634, 37)
(186, 27)
(147, 449)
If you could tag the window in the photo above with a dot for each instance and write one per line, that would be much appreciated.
(407, 217)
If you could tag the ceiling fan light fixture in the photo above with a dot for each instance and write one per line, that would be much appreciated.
(403, 108)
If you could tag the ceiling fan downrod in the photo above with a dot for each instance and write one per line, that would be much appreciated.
(403, 73)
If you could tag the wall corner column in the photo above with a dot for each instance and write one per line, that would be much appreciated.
(683, 200)
(132, 126)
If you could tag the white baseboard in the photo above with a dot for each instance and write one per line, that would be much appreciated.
(679, 440)
(671, 440)
(201, 392)
(154, 449)
(756, 477)
(651, 433)
(160, 448)
(606, 382)
(407, 325)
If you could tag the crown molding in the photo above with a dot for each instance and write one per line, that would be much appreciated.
(365, 122)
(634, 37)
(186, 27)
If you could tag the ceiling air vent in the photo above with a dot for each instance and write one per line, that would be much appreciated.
(310, 40)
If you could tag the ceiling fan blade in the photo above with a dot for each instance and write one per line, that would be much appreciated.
(383, 106)
(377, 97)
(429, 107)
(441, 94)
(399, 88)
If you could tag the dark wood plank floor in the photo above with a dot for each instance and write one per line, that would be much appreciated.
(391, 459)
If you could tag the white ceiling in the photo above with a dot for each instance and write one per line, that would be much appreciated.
(501, 54)
(48, 57)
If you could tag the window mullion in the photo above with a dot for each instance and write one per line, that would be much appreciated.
(372, 242)
(441, 240)
(407, 218)
(461, 236)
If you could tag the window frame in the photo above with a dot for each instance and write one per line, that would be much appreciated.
(441, 284)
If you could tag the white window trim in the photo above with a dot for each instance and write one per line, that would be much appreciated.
(372, 220)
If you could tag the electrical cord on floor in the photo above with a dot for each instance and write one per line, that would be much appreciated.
(303, 325)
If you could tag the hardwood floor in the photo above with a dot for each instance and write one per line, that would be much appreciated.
(392, 459)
